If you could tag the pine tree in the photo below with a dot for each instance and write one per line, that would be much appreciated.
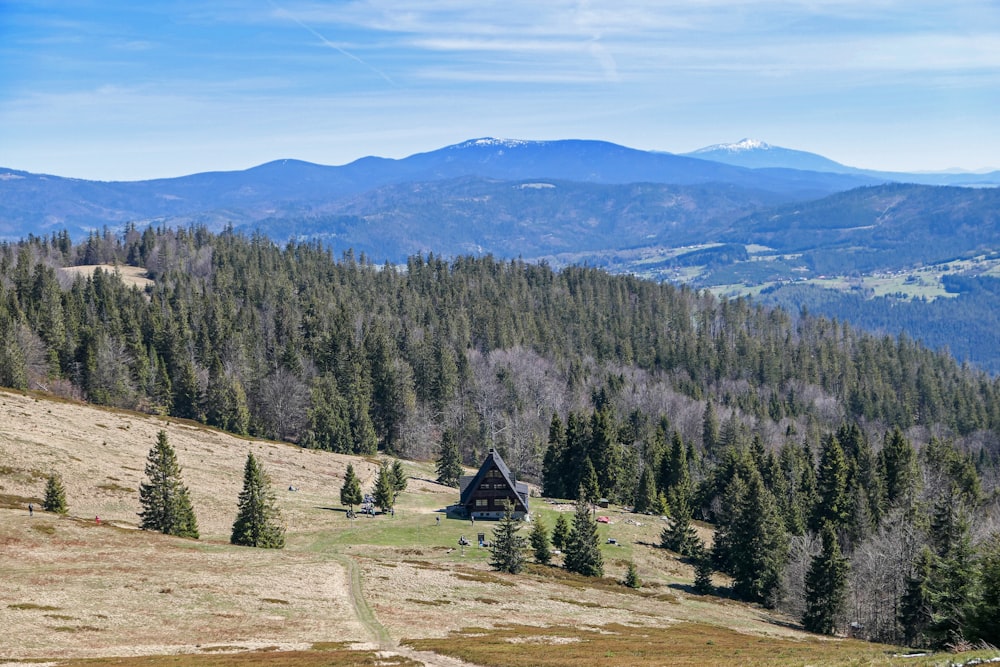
(916, 607)
(385, 487)
(589, 487)
(55, 495)
(831, 485)
(560, 532)
(166, 505)
(583, 553)
(258, 521)
(645, 497)
(539, 540)
(987, 616)
(680, 536)
(826, 586)
(632, 579)
(350, 492)
(449, 463)
(703, 572)
(507, 549)
(757, 544)
(897, 465)
(399, 477)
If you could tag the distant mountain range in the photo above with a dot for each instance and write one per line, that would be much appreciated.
(754, 154)
(507, 197)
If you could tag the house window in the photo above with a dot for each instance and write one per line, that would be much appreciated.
(482, 502)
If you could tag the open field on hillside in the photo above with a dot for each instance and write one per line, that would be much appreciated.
(384, 590)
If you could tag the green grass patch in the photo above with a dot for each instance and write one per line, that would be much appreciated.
(483, 578)
(76, 628)
(115, 488)
(322, 655)
(32, 605)
(616, 645)
(44, 528)
(578, 603)
(430, 603)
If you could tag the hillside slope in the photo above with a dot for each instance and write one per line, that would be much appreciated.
(73, 588)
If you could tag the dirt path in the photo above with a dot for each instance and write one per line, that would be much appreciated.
(387, 645)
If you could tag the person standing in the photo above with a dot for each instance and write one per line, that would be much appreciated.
(31, 509)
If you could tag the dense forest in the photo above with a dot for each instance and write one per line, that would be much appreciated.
(973, 311)
(814, 448)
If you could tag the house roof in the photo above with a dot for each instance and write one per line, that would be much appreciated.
(469, 483)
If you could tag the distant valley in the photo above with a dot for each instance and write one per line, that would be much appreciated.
(742, 219)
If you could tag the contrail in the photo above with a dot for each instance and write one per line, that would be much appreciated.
(285, 13)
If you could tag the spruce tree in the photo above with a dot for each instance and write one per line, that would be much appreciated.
(385, 487)
(632, 579)
(55, 495)
(680, 536)
(987, 616)
(507, 548)
(166, 505)
(258, 521)
(589, 486)
(831, 486)
(758, 545)
(916, 605)
(583, 553)
(826, 586)
(399, 477)
(449, 463)
(539, 539)
(645, 496)
(703, 571)
(560, 532)
(350, 492)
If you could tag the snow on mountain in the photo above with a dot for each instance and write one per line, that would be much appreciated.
(741, 146)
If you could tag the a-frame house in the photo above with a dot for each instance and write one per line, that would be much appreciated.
(483, 494)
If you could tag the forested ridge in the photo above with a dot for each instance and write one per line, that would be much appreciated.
(780, 432)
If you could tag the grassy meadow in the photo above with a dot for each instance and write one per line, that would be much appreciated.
(384, 590)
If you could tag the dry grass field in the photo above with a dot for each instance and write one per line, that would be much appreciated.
(383, 590)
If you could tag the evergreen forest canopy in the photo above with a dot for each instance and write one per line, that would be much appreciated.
(655, 396)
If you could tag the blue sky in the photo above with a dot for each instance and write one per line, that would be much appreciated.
(125, 90)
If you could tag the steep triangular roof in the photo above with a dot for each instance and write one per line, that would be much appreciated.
(493, 459)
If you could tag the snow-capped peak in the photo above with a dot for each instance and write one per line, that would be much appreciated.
(741, 146)
(491, 141)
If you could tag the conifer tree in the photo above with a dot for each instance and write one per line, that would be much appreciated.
(399, 477)
(680, 536)
(583, 553)
(55, 495)
(831, 486)
(539, 540)
(258, 521)
(553, 463)
(632, 579)
(897, 465)
(987, 616)
(449, 463)
(350, 492)
(507, 548)
(703, 571)
(385, 487)
(645, 497)
(916, 605)
(166, 505)
(589, 486)
(757, 544)
(560, 532)
(826, 586)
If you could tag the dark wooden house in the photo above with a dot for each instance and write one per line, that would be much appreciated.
(483, 494)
